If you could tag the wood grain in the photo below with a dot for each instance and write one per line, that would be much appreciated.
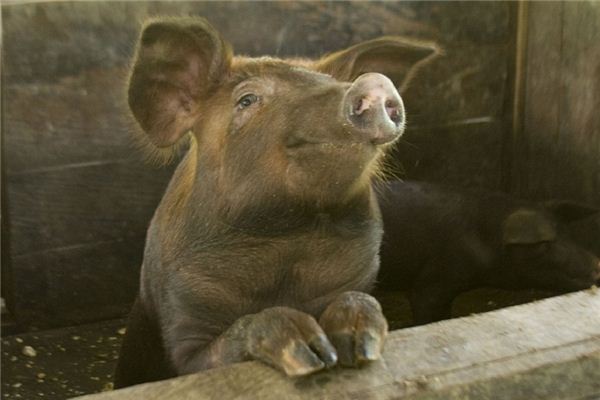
(74, 206)
(48, 41)
(559, 152)
(78, 284)
(545, 350)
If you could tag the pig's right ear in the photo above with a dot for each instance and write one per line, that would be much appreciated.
(177, 63)
(396, 57)
(526, 226)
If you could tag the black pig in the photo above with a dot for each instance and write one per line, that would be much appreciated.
(267, 238)
(439, 242)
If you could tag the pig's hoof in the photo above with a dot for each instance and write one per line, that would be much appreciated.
(357, 328)
(289, 340)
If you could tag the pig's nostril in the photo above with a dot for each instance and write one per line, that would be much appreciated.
(358, 108)
(395, 115)
(392, 109)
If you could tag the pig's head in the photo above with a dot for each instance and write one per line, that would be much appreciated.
(263, 127)
(543, 250)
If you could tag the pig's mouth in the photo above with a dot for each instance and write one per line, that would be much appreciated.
(325, 145)
(296, 143)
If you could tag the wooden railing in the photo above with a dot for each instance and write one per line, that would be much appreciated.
(544, 350)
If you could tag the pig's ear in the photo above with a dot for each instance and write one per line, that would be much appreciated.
(527, 226)
(397, 58)
(177, 63)
(569, 211)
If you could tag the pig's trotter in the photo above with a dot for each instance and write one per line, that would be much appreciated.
(356, 326)
(289, 340)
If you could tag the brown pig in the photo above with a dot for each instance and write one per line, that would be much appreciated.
(266, 241)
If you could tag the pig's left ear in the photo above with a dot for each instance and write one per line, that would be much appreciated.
(177, 64)
(527, 226)
(569, 211)
(397, 58)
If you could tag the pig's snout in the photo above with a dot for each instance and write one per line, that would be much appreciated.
(374, 108)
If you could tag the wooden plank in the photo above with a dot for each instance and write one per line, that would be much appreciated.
(559, 148)
(67, 38)
(517, 77)
(541, 109)
(79, 198)
(515, 353)
(578, 169)
(66, 206)
(77, 284)
(76, 121)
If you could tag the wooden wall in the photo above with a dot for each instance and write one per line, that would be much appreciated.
(78, 196)
(557, 146)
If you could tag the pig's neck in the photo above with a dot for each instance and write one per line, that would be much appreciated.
(198, 201)
(280, 218)
(275, 214)
(190, 223)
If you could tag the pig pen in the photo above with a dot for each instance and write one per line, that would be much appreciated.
(509, 107)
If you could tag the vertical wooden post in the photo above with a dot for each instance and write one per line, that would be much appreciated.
(556, 126)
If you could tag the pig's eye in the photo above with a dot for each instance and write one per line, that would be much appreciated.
(247, 101)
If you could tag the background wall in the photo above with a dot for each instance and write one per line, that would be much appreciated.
(557, 146)
(79, 197)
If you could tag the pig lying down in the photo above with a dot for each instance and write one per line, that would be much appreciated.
(440, 242)
(266, 241)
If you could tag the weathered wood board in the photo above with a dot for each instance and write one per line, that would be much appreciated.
(544, 350)
(557, 153)
(73, 289)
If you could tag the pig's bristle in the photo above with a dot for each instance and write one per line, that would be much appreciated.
(156, 155)
(382, 169)
(387, 170)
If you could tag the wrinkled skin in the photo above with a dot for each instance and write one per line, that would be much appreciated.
(266, 241)
(440, 242)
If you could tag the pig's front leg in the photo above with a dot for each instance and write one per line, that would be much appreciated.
(287, 339)
(355, 324)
